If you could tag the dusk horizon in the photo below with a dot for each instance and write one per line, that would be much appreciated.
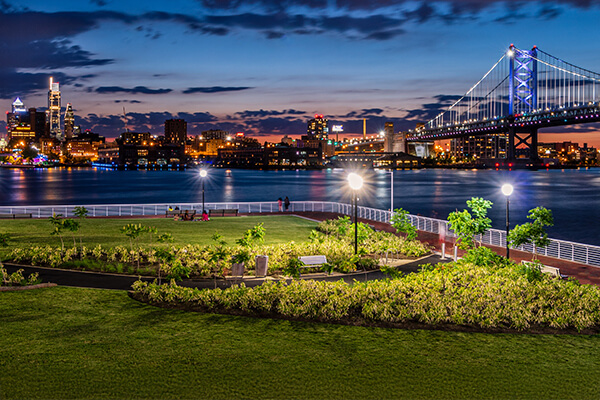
(265, 68)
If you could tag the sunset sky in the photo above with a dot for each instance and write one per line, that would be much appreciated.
(264, 67)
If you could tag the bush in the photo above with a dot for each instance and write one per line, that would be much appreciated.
(460, 294)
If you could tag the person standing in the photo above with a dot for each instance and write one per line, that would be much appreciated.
(280, 202)
(287, 203)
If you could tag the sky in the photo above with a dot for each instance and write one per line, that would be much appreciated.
(265, 67)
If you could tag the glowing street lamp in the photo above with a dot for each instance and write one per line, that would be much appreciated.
(507, 190)
(355, 181)
(203, 174)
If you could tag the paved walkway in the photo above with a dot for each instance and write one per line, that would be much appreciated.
(85, 279)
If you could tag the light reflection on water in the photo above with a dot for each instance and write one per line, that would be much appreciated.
(572, 195)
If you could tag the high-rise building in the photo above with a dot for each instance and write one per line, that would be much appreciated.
(54, 110)
(388, 134)
(22, 123)
(318, 128)
(175, 131)
(69, 121)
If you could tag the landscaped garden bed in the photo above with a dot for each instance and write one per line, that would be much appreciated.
(496, 295)
(148, 252)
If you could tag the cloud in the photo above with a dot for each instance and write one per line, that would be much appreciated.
(128, 101)
(135, 90)
(215, 89)
(265, 113)
(22, 83)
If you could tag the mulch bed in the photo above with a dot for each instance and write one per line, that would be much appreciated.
(29, 287)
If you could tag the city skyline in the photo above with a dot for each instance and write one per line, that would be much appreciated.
(265, 68)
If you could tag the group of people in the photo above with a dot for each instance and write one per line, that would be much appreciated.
(285, 202)
(187, 216)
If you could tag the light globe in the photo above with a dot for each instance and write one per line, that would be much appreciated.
(355, 181)
(203, 173)
(507, 189)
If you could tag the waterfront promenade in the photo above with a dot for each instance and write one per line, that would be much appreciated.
(585, 274)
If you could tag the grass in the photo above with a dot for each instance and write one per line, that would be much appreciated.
(86, 343)
(105, 231)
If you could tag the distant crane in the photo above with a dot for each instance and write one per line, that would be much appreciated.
(125, 119)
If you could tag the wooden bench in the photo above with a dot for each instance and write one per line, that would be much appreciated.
(172, 213)
(221, 212)
(15, 216)
(546, 269)
(312, 261)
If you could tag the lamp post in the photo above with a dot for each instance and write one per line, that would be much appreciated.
(355, 181)
(507, 190)
(392, 190)
(203, 174)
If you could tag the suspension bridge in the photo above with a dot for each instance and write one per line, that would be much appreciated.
(524, 91)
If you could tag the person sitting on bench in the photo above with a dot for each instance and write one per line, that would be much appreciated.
(204, 215)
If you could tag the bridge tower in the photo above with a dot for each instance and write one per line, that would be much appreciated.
(522, 99)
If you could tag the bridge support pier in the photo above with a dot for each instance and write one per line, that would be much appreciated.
(529, 138)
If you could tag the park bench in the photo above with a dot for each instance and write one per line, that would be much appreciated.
(181, 213)
(221, 212)
(312, 261)
(546, 269)
(15, 216)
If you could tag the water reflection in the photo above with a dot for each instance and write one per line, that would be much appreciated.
(572, 195)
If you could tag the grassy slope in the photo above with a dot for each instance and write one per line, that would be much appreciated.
(84, 343)
(279, 229)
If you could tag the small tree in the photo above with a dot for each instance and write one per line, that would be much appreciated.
(72, 226)
(58, 224)
(467, 225)
(532, 232)
(401, 222)
(81, 213)
(134, 231)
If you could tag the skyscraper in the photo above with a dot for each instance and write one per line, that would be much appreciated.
(54, 110)
(318, 128)
(69, 121)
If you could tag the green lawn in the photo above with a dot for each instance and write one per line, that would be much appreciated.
(105, 231)
(84, 343)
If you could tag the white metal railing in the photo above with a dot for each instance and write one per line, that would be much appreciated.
(564, 250)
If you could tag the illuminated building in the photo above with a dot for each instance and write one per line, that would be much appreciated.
(84, 146)
(270, 156)
(69, 121)
(141, 150)
(318, 128)
(480, 147)
(214, 134)
(388, 132)
(376, 160)
(175, 131)
(54, 110)
(22, 124)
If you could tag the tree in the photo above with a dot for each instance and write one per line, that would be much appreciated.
(467, 225)
(401, 222)
(532, 232)
(134, 231)
(58, 223)
(81, 213)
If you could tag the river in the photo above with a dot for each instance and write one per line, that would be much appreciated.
(573, 195)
